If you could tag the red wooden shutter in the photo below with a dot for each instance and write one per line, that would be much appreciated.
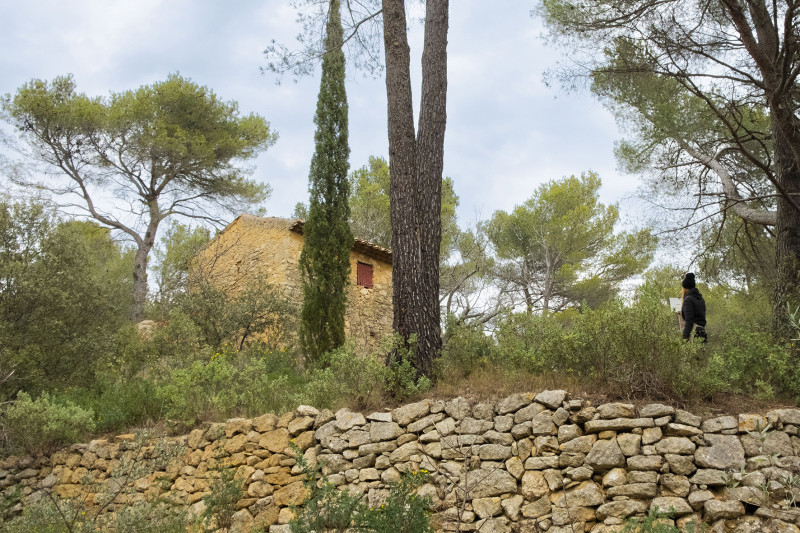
(364, 275)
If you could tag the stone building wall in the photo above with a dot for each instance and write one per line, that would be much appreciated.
(528, 463)
(265, 246)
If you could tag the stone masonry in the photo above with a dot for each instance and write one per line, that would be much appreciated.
(528, 463)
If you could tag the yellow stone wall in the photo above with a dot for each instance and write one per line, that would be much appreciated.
(254, 246)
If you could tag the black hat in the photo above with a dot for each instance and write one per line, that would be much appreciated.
(688, 281)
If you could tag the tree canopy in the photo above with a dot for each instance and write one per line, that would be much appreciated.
(559, 247)
(135, 158)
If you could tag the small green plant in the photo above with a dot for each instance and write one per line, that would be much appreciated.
(226, 491)
(656, 522)
(40, 425)
(402, 378)
(327, 509)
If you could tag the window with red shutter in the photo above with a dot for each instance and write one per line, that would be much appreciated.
(364, 275)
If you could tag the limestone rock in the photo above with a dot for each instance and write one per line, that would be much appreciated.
(605, 455)
(723, 452)
(551, 398)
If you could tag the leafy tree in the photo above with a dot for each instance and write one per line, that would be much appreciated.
(416, 154)
(327, 239)
(370, 213)
(710, 86)
(133, 159)
(559, 247)
(66, 291)
(179, 245)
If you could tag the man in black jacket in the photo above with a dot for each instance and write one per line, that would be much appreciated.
(693, 309)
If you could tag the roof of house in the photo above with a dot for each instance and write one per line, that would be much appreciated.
(359, 245)
(296, 225)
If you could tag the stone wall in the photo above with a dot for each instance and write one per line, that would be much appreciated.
(531, 462)
(264, 246)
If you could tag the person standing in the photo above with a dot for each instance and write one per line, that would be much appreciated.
(693, 309)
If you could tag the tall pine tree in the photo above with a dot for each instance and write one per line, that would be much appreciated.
(325, 259)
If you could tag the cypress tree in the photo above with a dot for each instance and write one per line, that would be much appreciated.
(325, 258)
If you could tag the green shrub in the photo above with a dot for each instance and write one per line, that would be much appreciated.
(342, 377)
(226, 491)
(657, 522)
(117, 404)
(327, 509)
(466, 349)
(402, 379)
(42, 425)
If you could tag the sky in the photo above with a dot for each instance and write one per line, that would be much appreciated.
(507, 132)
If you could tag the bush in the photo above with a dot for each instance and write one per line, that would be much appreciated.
(43, 425)
(329, 509)
(230, 383)
(226, 491)
(402, 379)
(117, 404)
(466, 348)
(343, 377)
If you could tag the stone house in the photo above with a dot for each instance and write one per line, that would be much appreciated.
(252, 246)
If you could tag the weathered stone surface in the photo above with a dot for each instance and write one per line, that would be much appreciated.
(486, 507)
(615, 478)
(579, 444)
(514, 402)
(484, 411)
(680, 464)
(537, 508)
(617, 424)
(674, 506)
(408, 413)
(773, 443)
(616, 410)
(639, 491)
(786, 416)
(534, 485)
(720, 423)
(291, 494)
(551, 398)
(687, 418)
(347, 419)
(723, 452)
(541, 463)
(426, 421)
(752, 423)
(645, 462)
(542, 424)
(630, 444)
(380, 431)
(512, 506)
(568, 432)
(656, 410)
(585, 494)
(494, 452)
(716, 510)
(458, 408)
(300, 424)
(474, 426)
(675, 445)
(493, 482)
(605, 455)
(651, 436)
(621, 509)
(705, 476)
(681, 430)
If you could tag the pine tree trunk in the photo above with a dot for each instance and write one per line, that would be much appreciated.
(416, 174)
(140, 270)
(787, 241)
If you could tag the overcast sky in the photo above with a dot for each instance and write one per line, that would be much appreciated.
(506, 131)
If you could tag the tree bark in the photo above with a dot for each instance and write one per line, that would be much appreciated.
(787, 238)
(140, 259)
(416, 164)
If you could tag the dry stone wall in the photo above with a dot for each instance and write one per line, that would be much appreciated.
(527, 463)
